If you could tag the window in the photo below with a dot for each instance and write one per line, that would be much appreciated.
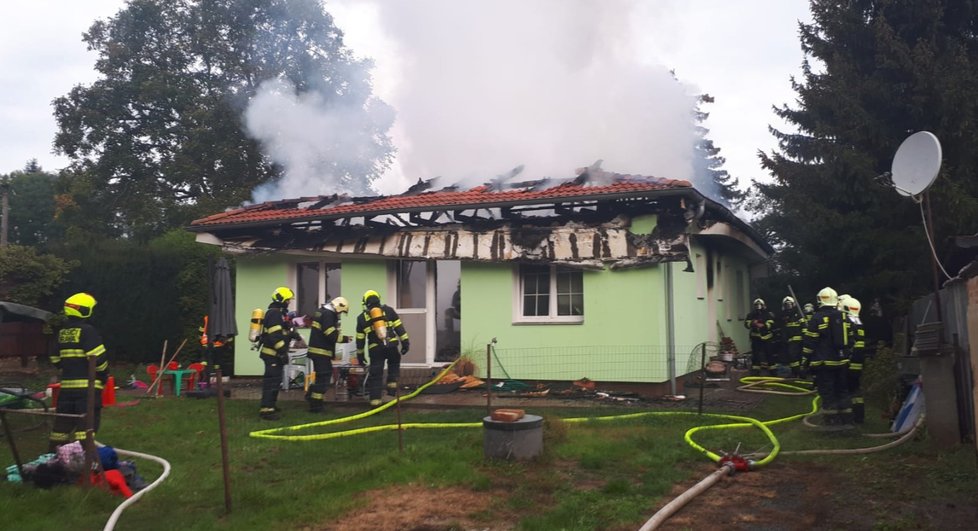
(411, 282)
(549, 293)
(311, 285)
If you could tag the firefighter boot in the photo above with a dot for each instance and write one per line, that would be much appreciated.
(376, 403)
(391, 388)
(315, 401)
(269, 413)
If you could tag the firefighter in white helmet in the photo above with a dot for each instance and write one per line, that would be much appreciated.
(857, 359)
(824, 349)
(323, 337)
(791, 324)
(380, 334)
(760, 322)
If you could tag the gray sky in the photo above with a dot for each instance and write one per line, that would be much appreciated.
(483, 56)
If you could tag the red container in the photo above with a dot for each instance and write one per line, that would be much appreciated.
(55, 389)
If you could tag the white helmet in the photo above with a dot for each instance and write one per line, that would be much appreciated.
(808, 308)
(828, 297)
(788, 302)
(759, 303)
(340, 304)
(842, 301)
(853, 306)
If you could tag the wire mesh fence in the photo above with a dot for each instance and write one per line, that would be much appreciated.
(651, 363)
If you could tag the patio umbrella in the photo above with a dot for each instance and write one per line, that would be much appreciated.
(220, 321)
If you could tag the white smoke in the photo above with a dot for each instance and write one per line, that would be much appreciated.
(483, 86)
(310, 138)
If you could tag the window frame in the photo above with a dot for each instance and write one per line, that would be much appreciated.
(551, 317)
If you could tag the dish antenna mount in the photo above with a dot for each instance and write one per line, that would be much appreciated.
(916, 163)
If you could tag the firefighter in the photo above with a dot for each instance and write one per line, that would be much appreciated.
(274, 342)
(78, 342)
(857, 359)
(792, 322)
(760, 322)
(824, 350)
(322, 348)
(379, 328)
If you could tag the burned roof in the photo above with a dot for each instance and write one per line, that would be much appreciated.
(585, 221)
(422, 198)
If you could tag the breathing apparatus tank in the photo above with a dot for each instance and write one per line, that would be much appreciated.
(254, 329)
(378, 322)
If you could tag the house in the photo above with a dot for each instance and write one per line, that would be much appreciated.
(612, 277)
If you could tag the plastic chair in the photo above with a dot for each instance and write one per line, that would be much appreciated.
(172, 366)
(153, 372)
(198, 369)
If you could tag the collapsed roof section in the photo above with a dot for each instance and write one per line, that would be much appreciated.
(584, 222)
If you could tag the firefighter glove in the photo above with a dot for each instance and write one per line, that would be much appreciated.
(405, 346)
(362, 360)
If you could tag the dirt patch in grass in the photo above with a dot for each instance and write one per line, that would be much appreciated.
(796, 495)
(414, 508)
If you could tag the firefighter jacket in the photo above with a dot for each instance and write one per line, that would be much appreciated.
(825, 339)
(760, 322)
(78, 341)
(325, 332)
(792, 326)
(367, 336)
(857, 342)
(276, 332)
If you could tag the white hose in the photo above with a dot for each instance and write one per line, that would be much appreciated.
(670, 508)
(132, 499)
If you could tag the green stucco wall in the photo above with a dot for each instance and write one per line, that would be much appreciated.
(258, 276)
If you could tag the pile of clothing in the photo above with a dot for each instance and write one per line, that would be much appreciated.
(67, 466)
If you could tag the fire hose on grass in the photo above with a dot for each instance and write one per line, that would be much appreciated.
(110, 524)
(728, 462)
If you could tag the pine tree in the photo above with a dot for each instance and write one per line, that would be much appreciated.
(875, 72)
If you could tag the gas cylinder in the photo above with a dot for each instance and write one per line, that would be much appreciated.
(254, 329)
(378, 322)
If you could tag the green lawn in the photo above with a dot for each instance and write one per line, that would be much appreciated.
(592, 475)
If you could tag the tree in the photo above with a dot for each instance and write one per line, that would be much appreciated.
(875, 72)
(32, 193)
(31, 278)
(158, 140)
(707, 160)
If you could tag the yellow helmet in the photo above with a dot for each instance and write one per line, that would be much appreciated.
(853, 306)
(828, 297)
(79, 305)
(340, 304)
(282, 294)
(370, 294)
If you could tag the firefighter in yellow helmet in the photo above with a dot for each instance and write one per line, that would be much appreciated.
(380, 330)
(323, 337)
(760, 322)
(857, 358)
(277, 335)
(824, 347)
(78, 342)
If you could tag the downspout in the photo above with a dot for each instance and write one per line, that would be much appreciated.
(670, 330)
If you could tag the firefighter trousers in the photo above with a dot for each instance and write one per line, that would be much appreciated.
(760, 355)
(390, 355)
(70, 429)
(832, 384)
(322, 366)
(270, 384)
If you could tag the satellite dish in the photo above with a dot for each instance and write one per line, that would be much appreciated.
(916, 163)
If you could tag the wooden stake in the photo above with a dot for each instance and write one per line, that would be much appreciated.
(159, 375)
